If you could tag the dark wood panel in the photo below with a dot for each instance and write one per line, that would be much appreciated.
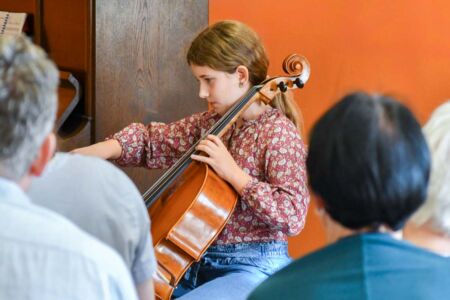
(27, 6)
(141, 70)
(66, 33)
(67, 37)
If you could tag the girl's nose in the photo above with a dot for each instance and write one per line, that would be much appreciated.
(203, 92)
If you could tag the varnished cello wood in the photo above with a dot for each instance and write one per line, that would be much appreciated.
(187, 221)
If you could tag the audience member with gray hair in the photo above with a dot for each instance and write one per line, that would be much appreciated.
(28, 83)
(430, 225)
(42, 255)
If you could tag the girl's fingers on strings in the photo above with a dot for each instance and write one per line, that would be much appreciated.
(205, 148)
(207, 143)
(201, 158)
(215, 139)
(211, 142)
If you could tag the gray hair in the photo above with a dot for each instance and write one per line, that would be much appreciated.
(436, 210)
(28, 83)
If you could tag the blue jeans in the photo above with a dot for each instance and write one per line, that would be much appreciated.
(232, 271)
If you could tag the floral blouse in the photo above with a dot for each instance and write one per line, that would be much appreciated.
(273, 204)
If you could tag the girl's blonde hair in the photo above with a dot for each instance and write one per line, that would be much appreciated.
(226, 45)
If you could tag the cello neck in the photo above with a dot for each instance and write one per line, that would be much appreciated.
(218, 129)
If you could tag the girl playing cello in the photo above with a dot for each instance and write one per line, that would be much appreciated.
(262, 156)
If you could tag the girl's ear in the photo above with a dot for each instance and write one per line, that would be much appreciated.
(243, 74)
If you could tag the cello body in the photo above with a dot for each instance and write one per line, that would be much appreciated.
(186, 221)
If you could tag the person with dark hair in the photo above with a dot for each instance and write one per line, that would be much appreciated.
(368, 167)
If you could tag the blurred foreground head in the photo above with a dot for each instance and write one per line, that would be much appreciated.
(369, 162)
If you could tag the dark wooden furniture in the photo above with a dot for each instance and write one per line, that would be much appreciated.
(141, 70)
(64, 29)
(68, 97)
(128, 58)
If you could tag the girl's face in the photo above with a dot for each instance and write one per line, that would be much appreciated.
(220, 89)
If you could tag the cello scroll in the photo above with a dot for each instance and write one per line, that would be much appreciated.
(298, 70)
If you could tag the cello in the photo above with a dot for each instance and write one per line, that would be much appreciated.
(190, 204)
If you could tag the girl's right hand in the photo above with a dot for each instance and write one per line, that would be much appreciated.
(110, 149)
(222, 162)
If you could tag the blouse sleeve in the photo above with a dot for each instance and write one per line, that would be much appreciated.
(282, 199)
(159, 145)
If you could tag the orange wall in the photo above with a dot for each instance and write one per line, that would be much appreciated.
(398, 47)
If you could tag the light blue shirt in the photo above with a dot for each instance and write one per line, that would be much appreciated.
(44, 256)
(100, 199)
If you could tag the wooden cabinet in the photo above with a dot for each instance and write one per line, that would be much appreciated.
(64, 28)
(141, 70)
(128, 57)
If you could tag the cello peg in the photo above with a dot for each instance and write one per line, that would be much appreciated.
(299, 83)
(282, 86)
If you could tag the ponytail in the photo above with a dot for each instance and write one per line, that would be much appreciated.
(285, 103)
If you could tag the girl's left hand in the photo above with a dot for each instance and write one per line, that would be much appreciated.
(221, 161)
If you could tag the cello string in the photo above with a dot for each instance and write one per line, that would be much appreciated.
(168, 177)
